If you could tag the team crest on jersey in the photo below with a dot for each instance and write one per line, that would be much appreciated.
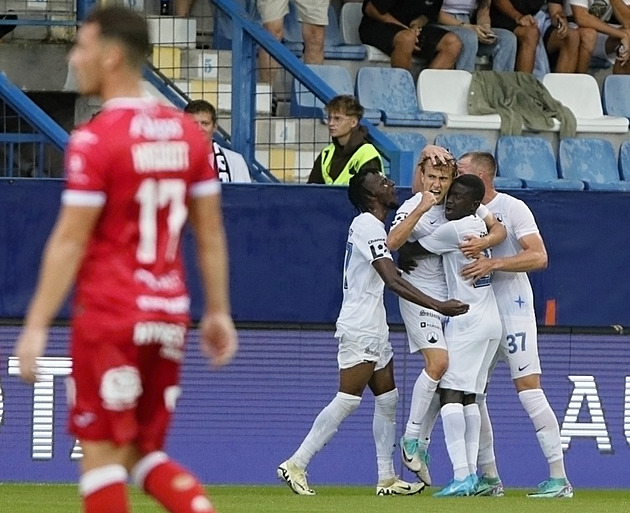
(432, 337)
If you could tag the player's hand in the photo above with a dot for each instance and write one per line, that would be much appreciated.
(406, 262)
(30, 345)
(453, 307)
(427, 201)
(219, 340)
(473, 246)
(436, 154)
(481, 267)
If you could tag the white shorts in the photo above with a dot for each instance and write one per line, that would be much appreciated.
(600, 48)
(519, 346)
(424, 327)
(353, 352)
(313, 12)
(468, 365)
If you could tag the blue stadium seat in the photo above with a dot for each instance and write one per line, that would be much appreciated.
(409, 141)
(392, 91)
(531, 159)
(222, 33)
(593, 161)
(624, 160)
(616, 95)
(305, 104)
(460, 143)
(334, 47)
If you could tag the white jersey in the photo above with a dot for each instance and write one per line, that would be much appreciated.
(482, 319)
(428, 276)
(362, 310)
(512, 290)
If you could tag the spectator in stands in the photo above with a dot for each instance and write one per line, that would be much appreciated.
(539, 25)
(349, 151)
(470, 20)
(134, 174)
(607, 40)
(406, 28)
(365, 356)
(230, 165)
(313, 14)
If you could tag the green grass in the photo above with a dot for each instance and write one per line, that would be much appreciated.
(28, 498)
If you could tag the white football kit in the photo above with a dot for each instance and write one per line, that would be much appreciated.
(362, 326)
(513, 291)
(473, 337)
(424, 326)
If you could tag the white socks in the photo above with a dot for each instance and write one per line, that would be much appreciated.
(423, 392)
(384, 430)
(486, 457)
(325, 426)
(473, 427)
(547, 430)
(454, 424)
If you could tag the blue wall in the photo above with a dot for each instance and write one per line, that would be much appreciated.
(259, 408)
(286, 249)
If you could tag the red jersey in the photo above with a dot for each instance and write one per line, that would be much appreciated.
(141, 162)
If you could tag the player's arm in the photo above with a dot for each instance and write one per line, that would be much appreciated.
(532, 258)
(399, 233)
(474, 246)
(62, 257)
(218, 335)
(387, 270)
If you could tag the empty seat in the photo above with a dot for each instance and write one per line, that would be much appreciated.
(349, 21)
(458, 144)
(580, 93)
(593, 161)
(531, 159)
(624, 160)
(410, 141)
(392, 91)
(616, 95)
(334, 46)
(304, 104)
(447, 91)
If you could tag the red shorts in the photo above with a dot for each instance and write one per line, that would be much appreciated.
(123, 390)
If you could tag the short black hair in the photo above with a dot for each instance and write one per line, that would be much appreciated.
(357, 193)
(125, 26)
(197, 106)
(474, 184)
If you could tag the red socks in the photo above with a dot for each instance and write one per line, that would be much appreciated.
(104, 490)
(171, 485)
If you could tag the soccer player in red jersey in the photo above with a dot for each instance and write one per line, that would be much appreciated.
(134, 174)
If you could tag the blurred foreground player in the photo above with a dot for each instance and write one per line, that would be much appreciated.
(134, 173)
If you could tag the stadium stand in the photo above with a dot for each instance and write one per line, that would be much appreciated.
(580, 93)
(446, 91)
(412, 141)
(593, 161)
(531, 159)
(397, 101)
(304, 104)
(616, 95)
(460, 143)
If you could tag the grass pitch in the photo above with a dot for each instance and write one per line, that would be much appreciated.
(32, 498)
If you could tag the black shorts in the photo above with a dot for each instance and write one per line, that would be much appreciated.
(381, 35)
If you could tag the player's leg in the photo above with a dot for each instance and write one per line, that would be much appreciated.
(522, 355)
(490, 483)
(383, 387)
(471, 435)
(354, 374)
(103, 481)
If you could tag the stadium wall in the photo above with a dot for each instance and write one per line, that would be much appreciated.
(287, 242)
(237, 424)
